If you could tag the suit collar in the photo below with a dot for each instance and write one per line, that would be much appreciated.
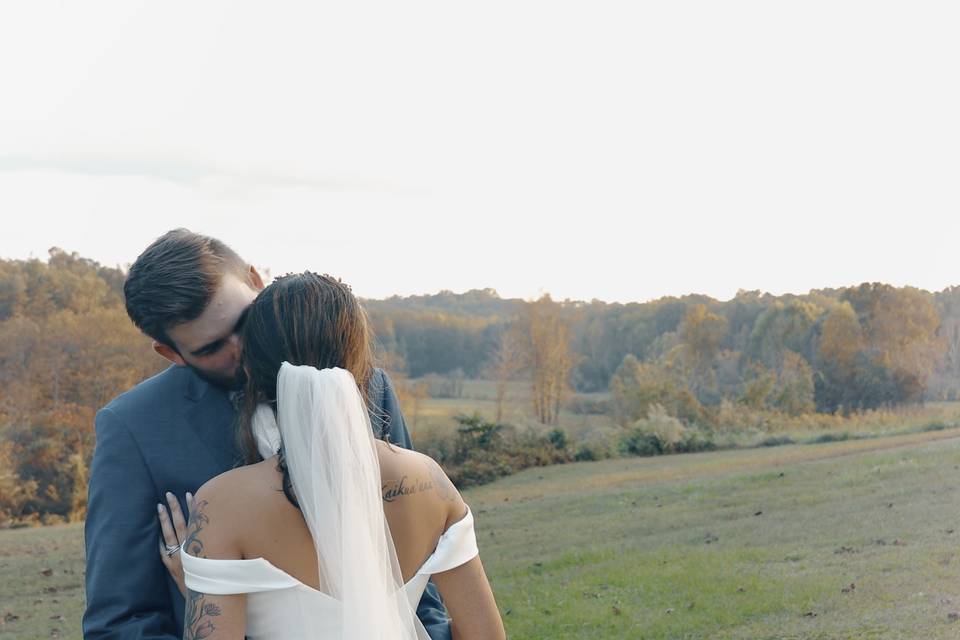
(195, 387)
(212, 416)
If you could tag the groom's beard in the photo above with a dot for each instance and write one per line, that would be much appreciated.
(220, 380)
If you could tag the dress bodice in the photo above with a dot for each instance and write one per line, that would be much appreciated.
(280, 606)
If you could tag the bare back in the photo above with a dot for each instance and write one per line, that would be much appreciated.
(419, 502)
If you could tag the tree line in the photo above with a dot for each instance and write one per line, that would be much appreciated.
(67, 347)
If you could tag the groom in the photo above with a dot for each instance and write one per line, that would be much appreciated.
(174, 432)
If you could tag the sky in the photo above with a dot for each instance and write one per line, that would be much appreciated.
(619, 151)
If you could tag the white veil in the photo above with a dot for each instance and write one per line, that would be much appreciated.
(332, 460)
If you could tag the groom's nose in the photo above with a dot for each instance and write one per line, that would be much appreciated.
(233, 344)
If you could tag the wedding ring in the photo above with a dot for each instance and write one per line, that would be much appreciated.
(172, 551)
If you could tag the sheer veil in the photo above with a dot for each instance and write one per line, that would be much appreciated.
(331, 456)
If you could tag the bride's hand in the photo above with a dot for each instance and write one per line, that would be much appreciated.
(173, 527)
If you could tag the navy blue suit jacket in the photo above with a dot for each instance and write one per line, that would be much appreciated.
(172, 432)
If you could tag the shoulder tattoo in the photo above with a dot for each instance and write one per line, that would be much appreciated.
(192, 544)
(441, 483)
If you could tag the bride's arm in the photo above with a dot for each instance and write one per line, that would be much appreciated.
(469, 599)
(214, 617)
(206, 615)
(465, 589)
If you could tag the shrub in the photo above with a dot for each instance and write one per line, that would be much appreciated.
(586, 406)
(829, 437)
(484, 451)
(558, 438)
(638, 442)
(695, 441)
(776, 441)
(598, 444)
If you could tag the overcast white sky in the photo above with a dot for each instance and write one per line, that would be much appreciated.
(592, 149)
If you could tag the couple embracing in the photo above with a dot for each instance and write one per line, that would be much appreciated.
(277, 435)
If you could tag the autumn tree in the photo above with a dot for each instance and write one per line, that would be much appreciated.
(701, 333)
(638, 386)
(780, 328)
(905, 339)
(547, 340)
(505, 363)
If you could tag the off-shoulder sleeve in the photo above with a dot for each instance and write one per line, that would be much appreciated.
(229, 577)
(457, 546)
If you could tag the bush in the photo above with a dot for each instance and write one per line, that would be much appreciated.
(661, 433)
(484, 451)
(695, 441)
(558, 438)
(829, 437)
(638, 442)
(586, 406)
(599, 443)
(776, 441)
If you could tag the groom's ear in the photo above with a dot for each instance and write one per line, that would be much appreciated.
(255, 279)
(169, 353)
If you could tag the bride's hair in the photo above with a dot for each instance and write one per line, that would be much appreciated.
(303, 319)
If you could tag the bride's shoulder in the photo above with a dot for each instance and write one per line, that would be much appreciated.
(412, 476)
(220, 510)
(241, 484)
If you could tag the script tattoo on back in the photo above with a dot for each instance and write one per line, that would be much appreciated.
(437, 481)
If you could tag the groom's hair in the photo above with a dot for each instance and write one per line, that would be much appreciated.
(174, 279)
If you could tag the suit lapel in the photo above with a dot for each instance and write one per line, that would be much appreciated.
(211, 416)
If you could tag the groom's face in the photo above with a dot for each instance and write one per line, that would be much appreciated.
(210, 344)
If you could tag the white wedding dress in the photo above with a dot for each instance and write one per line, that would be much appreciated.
(335, 474)
(280, 606)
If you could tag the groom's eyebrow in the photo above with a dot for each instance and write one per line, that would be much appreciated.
(213, 347)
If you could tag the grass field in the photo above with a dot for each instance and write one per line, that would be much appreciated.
(855, 539)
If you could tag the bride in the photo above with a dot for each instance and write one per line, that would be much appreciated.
(335, 533)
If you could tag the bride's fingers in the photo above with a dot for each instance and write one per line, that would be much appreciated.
(168, 534)
(176, 515)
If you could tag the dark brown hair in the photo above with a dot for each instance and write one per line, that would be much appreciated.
(174, 279)
(303, 319)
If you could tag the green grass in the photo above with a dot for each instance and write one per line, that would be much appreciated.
(750, 543)
(648, 549)
(45, 606)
